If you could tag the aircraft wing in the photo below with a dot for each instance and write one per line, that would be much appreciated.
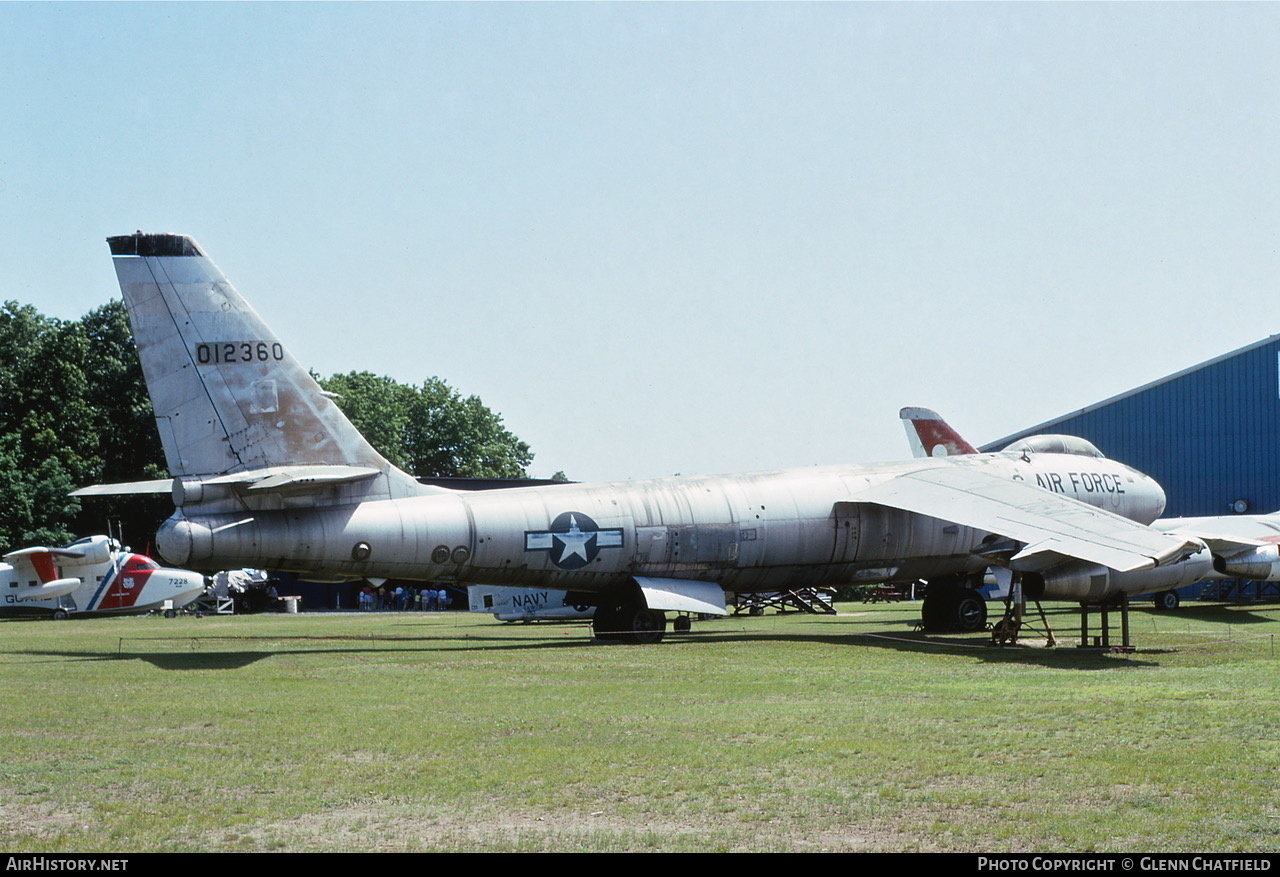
(1226, 535)
(1052, 526)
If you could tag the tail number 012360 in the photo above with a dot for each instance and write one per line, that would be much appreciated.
(222, 352)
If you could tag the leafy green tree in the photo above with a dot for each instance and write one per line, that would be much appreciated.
(74, 411)
(40, 386)
(431, 430)
(37, 510)
(378, 407)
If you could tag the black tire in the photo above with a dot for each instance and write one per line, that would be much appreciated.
(606, 623)
(61, 615)
(629, 623)
(647, 626)
(682, 624)
(756, 611)
(169, 613)
(950, 610)
(938, 609)
(970, 612)
(1167, 601)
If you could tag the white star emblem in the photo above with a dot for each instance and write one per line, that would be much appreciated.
(574, 542)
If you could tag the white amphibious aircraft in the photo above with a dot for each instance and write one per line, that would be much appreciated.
(1234, 546)
(93, 575)
(268, 473)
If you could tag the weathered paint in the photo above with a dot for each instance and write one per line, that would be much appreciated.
(269, 473)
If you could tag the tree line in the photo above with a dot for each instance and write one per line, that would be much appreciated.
(74, 411)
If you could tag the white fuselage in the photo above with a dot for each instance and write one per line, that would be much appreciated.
(125, 584)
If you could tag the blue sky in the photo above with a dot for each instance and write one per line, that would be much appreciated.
(666, 238)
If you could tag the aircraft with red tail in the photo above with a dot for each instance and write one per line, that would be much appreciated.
(1234, 546)
(91, 576)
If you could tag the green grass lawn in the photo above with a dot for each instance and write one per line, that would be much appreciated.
(453, 732)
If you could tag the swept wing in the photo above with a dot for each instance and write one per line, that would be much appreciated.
(1053, 527)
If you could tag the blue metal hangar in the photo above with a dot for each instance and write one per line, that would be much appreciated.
(1210, 434)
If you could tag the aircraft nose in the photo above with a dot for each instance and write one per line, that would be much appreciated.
(1158, 498)
(185, 581)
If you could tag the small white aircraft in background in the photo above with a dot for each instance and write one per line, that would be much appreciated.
(93, 575)
(1235, 546)
(525, 604)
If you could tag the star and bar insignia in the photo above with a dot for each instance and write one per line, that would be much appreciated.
(573, 540)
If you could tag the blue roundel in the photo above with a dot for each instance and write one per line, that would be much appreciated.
(573, 540)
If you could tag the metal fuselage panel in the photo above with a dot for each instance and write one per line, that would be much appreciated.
(756, 531)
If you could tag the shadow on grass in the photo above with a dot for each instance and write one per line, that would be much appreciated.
(193, 653)
(968, 646)
(201, 658)
(189, 660)
(1219, 613)
(858, 629)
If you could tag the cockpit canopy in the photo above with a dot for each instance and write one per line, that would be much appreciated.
(1055, 444)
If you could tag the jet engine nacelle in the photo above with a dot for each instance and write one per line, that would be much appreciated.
(1261, 564)
(1091, 582)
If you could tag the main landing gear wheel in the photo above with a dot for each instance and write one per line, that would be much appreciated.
(629, 624)
(953, 610)
(971, 612)
(61, 615)
(1168, 600)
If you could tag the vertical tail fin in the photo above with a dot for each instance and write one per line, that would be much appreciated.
(930, 436)
(228, 396)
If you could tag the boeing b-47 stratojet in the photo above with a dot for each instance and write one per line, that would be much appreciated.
(268, 473)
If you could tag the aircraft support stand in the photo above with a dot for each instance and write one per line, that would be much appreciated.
(1104, 639)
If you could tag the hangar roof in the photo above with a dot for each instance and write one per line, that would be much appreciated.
(1043, 427)
(1209, 434)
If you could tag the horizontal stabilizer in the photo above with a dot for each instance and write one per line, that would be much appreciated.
(126, 488)
(286, 476)
(273, 478)
(281, 475)
(40, 550)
